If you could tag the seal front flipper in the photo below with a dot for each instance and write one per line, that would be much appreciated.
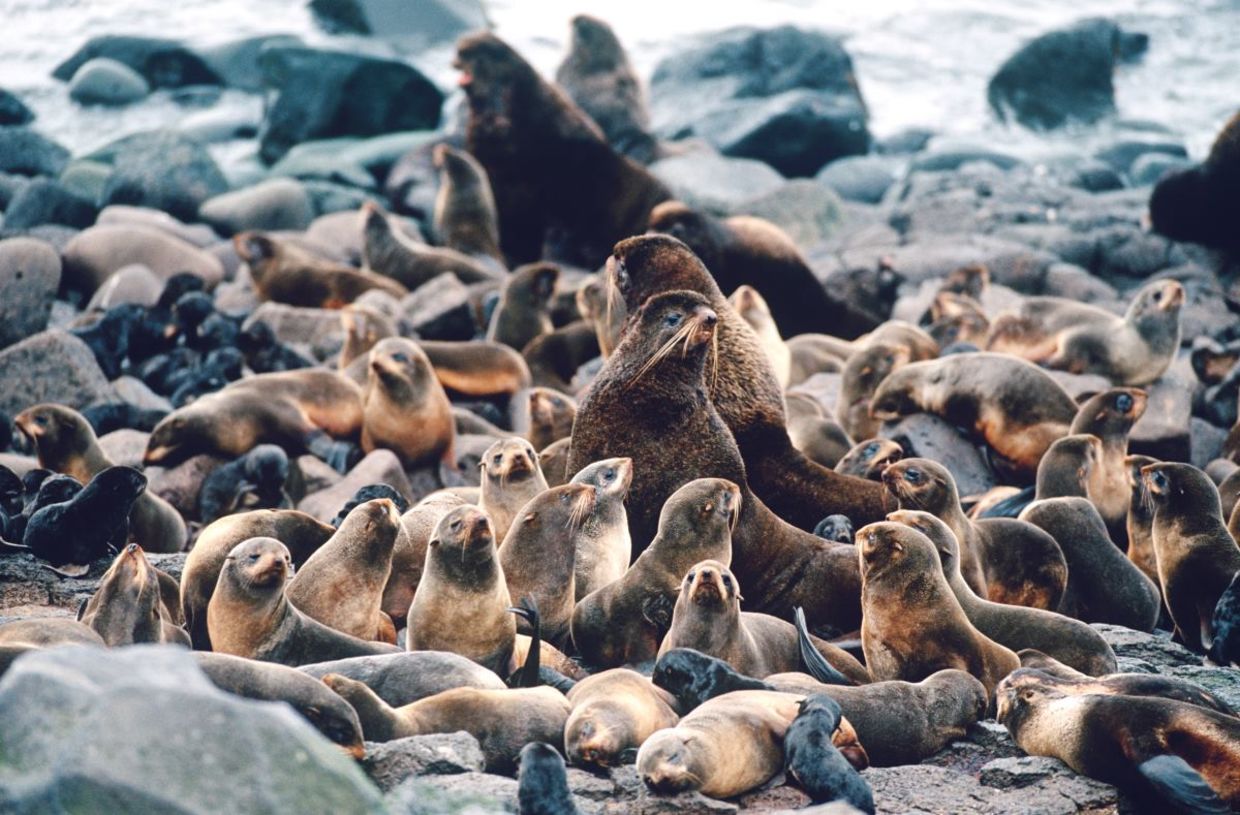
(527, 675)
(657, 610)
(1180, 787)
(815, 663)
(542, 782)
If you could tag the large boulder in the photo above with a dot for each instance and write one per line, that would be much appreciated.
(236, 62)
(44, 201)
(25, 152)
(141, 729)
(51, 366)
(703, 179)
(783, 95)
(324, 93)
(164, 170)
(104, 81)
(162, 62)
(436, 21)
(1064, 76)
(29, 277)
(13, 111)
(94, 254)
(280, 203)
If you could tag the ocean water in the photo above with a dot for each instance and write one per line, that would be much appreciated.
(920, 63)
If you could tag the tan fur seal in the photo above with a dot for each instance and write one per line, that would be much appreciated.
(623, 623)
(511, 478)
(604, 547)
(598, 306)
(404, 408)
(43, 632)
(1016, 408)
(1110, 416)
(342, 583)
(818, 437)
(1140, 521)
(815, 354)
(464, 216)
(614, 712)
(393, 256)
(708, 618)
(554, 462)
(462, 601)
(869, 458)
(503, 721)
(485, 370)
(551, 416)
(1004, 560)
(65, 442)
(913, 625)
(522, 312)
(1016, 627)
(1116, 684)
(1197, 558)
(754, 310)
(128, 606)
(409, 552)
(287, 274)
(1103, 585)
(250, 616)
(1060, 333)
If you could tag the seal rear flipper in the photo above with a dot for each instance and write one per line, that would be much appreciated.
(68, 569)
(815, 663)
(1180, 787)
(1011, 506)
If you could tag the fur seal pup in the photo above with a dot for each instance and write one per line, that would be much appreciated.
(301, 533)
(1181, 755)
(892, 345)
(1140, 521)
(837, 528)
(1069, 467)
(287, 274)
(623, 623)
(1067, 335)
(536, 146)
(404, 408)
(464, 218)
(511, 478)
(813, 762)
(614, 712)
(912, 624)
(812, 431)
(1225, 623)
(1103, 585)
(553, 461)
(65, 443)
(1198, 204)
(555, 359)
(342, 583)
(869, 458)
(250, 616)
(602, 310)
(462, 601)
(604, 547)
(408, 676)
(551, 416)
(1012, 405)
(1119, 684)
(1016, 627)
(128, 606)
(754, 311)
(392, 255)
(1110, 416)
(542, 782)
(708, 618)
(503, 721)
(1197, 557)
(522, 313)
(257, 480)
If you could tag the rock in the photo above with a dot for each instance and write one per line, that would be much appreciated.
(25, 152)
(299, 325)
(13, 111)
(1151, 167)
(236, 63)
(1206, 442)
(280, 203)
(135, 392)
(378, 467)
(95, 253)
(1123, 154)
(104, 81)
(860, 178)
(163, 63)
(390, 763)
(181, 484)
(708, 181)
(924, 435)
(465, 794)
(223, 124)
(72, 716)
(905, 142)
(808, 211)
(29, 278)
(86, 179)
(125, 446)
(922, 789)
(164, 170)
(440, 309)
(317, 474)
(323, 161)
(132, 284)
(1163, 431)
(331, 93)
(782, 95)
(1068, 280)
(437, 22)
(25, 581)
(200, 235)
(953, 158)
(1096, 176)
(44, 201)
(1223, 682)
(1156, 649)
(1013, 773)
(329, 197)
(51, 366)
(1064, 75)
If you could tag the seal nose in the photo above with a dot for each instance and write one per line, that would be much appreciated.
(708, 316)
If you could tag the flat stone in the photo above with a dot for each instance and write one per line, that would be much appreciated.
(390, 763)
(714, 183)
(51, 366)
(44, 201)
(29, 278)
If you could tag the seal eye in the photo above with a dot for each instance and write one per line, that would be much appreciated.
(1159, 480)
(1123, 403)
(689, 577)
(456, 525)
(609, 475)
(871, 448)
(41, 421)
(254, 558)
(498, 458)
(672, 320)
(401, 358)
(912, 476)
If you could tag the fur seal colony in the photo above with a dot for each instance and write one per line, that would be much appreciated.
(531, 457)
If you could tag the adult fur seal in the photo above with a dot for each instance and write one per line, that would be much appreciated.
(287, 274)
(400, 260)
(511, 478)
(604, 547)
(1140, 521)
(523, 311)
(128, 607)
(1119, 684)
(250, 616)
(754, 311)
(399, 679)
(1110, 416)
(1198, 204)
(404, 408)
(464, 216)
(613, 713)
(536, 146)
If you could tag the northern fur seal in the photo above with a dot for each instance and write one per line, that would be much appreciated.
(613, 713)
(285, 273)
(404, 407)
(1110, 416)
(511, 478)
(523, 311)
(1198, 204)
(604, 547)
(395, 257)
(464, 216)
(128, 606)
(754, 311)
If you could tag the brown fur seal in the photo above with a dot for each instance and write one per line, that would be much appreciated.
(1110, 416)
(1181, 756)
(1069, 467)
(815, 354)
(65, 442)
(742, 388)
(409, 552)
(503, 721)
(624, 622)
(1004, 560)
(1198, 204)
(598, 306)
(649, 403)
(393, 256)
(537, 146)
(604, 547)
(1140, 520)
(462, 600)
(1016, 408)
(754, 311)
(551, 416)
(250, 616)
(553, 460)
(1196, 556)
(862, 374)
(1067, 335)
(284, 273)
(399, 679)
(1119, 684)
(708, 618)
(511, 478)
(486, 370)
(362, 327)
(913, 625)
(869, 458)
(1103, 585)
(342, 584)
(522, 312)
(128, 606)
(614, 712)
(464, 216)
(43, 632)
(1016, 627)
(554, 359)
(404, 408)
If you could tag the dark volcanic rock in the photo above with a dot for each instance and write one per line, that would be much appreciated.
(44, 201)
(439, 309)
(25, 152)
(785, 96)
(29, 277)
(163, 63)
(51, 366)
(13, 111)
(1156, 649)
(163, 170)
(390, 763)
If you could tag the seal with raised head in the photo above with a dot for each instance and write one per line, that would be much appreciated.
(287, 274)
(754, 310)
(613, 713)
(1198, 204)
(523, 311)
(1140, 520)
(404, 407)
(604, 547)
(128, 606)
(551, 416)
(1110, 416)
(869, 458)
(464, 218)
(511, 478)
(395, 257)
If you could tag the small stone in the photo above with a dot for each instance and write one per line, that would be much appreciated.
(44, 201)
(378, 467)
(29, 278)
(26, 152)
(125, 447)
(860, 178)
(13, 111)
(440, 309)
(104, 81)
(390, 763)
(135, 392)
(281, 203)
(51, 366)
(132, 284)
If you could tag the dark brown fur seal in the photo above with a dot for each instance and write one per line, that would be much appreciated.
(554, 358)
(511, 478)
(286, 274)
(393, 256)
(1140, 519)
(818, 437)
(1069, 467)
(522, 313)
(465, 217)
(404, 407)
(1198, 204)
(128, 606)
(614, 712)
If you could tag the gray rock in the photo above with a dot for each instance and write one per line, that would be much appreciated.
(104, 81)
(181, 484)
(708, 181)
(44, 201)
(400, 679)
(94, 254)
(907, 141)
(860, 178)
(72, 716)
(223, 124)
(1096, 176)
(29, 278)
(322, 161)
(1156, 649)
(1205, 442)
(13, 111)
(951, 159)
(808, 211)
(200, 235)
(1223, 682)
(125, 446)
(1151, 167)
(25, 152)
(465, 794)
(440, 309)
(1122, 155)
(281, 203)
(298, 325)
(132, 284)
(86, 179)
(1163, 432)
(164, 170)
(923, 435)
(378, 467)
(1014, 773)
(51, 366)
(236, 62)
(390, 763)
(923, 789)
(135, 392)
(316, 473)
(437, 21)
(330, 198)
(164, 63)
